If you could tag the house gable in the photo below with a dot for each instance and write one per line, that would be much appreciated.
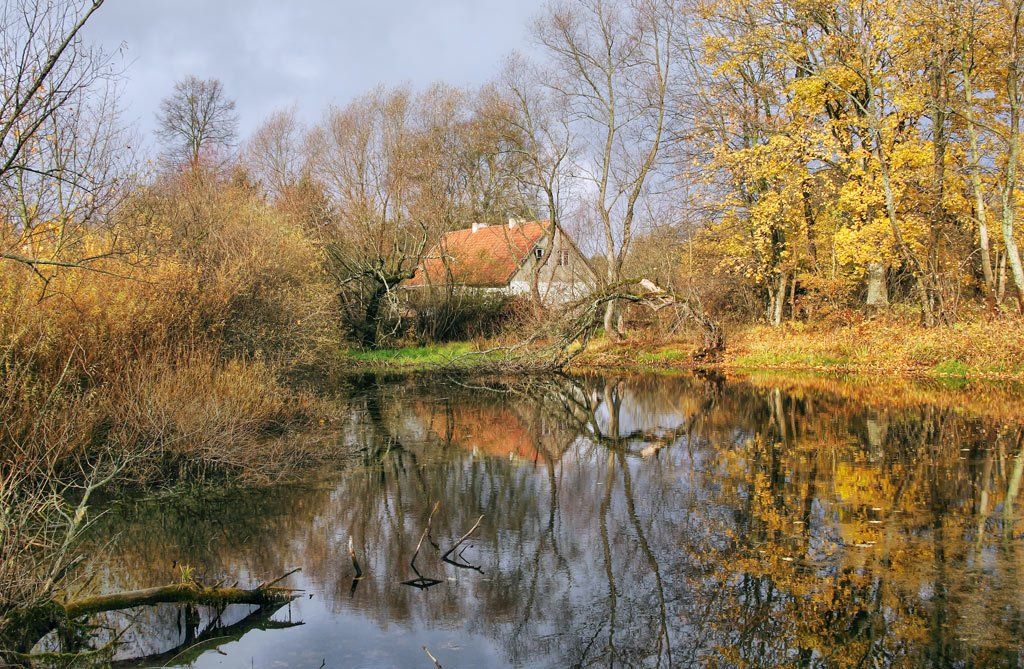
(562, 275)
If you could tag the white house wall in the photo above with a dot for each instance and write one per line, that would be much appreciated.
(557, 283)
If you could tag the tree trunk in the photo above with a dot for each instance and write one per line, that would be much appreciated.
(612, 324)
(1001, 279)
(778, 301)
(1012, 157)
(939, 104)
(875, 129)
(369, 330)
(878, 290)
(20, 630)
(812, 245)
(980, 214)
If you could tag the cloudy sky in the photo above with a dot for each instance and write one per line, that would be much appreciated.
(273, 53)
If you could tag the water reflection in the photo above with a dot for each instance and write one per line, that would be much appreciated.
(642, 521)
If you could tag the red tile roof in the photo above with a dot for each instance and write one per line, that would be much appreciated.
(488, 257)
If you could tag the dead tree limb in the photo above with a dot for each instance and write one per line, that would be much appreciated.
(192, 593)
(21, 629)
(422, 582)
(585, 317)
(458, 561)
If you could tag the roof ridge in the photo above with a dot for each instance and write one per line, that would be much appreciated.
(474, 257)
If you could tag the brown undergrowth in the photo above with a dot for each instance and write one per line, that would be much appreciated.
(981, 349)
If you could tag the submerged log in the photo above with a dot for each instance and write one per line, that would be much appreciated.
(21, 629)
(192, 593)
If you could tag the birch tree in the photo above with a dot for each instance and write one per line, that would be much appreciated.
(613, 64)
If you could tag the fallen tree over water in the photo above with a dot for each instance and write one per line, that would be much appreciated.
(553, 339)
(21, 629)
(583, 319)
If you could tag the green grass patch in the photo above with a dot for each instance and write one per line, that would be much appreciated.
(420, 357)
(667, 355)
(772, 359)
(953, 369)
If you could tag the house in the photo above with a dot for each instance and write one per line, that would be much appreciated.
(508, 258)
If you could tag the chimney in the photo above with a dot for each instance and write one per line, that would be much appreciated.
(513, 222)
(479, 226)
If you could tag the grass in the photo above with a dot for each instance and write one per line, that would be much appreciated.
(953, 369)
(788, 359)
(953, 354)
(418, 358)
(983, 349)
(661, 356)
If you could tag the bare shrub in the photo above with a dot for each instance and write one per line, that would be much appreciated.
(442, 314)
(193, 415)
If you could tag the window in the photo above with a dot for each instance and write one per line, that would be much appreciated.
(538, 253)
(563, 257)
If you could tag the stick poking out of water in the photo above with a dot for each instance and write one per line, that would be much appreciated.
(436, 663)
(422, 582)
(459, 561)
(355, 562)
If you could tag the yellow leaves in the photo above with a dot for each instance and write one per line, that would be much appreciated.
(807, 95)
(858, 245)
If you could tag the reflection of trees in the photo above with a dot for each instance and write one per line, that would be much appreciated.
(876, 575)
(638, 521)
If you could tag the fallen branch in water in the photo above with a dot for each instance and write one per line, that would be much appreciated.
(355, 562)
(458, 561)
(192, 593)
(437, 664)
(20, 630)
(422, 582)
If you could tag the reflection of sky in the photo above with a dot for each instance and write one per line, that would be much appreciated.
(570, 540)
(348, 639)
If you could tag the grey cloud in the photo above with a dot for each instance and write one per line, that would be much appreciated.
(272, 53)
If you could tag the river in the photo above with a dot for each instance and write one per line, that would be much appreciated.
(640, 520)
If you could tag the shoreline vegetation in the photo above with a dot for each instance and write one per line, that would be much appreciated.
(958, 353)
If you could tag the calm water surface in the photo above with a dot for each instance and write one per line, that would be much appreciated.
(638, 521)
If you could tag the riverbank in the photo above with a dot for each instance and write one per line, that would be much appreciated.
(989, 350)
(960, 352)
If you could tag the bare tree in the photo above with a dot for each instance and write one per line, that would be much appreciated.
(544, 139)
(613, 64)
(275, 153)
(197, 123)
(401, 169)
(63, 157)
(363, 154)
(1013, 14)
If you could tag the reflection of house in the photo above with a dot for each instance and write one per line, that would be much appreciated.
(493, 430)
(507, 258)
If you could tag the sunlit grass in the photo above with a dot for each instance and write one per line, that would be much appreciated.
(421, 357)
(771, 359)
(969, 351)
